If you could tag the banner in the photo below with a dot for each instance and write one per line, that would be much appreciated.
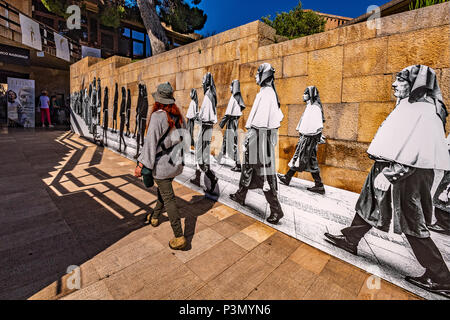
(62, 47)
(14, 55)
(90, 52)
(21, 102)
(31, 35)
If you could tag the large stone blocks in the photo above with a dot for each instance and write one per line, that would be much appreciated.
(427, 46)
(371, 116)
(290, 90)
(325, 72)
(341, 121)
(367, 88)
(338, 155)
(374, 52)
(295, 65)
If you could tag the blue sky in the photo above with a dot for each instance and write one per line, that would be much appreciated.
(227, 14)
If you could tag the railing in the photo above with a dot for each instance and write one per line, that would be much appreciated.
(9, 19)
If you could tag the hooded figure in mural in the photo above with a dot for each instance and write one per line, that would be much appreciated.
(141, 116)
(192, 114)
(85, 105)
(258, 169)
(231, 118)
(407, 148)
(115, 108)
(92, 106)
(208, 117)
(310, 129)
(105, 116)
(99, 101)
(122, 113)
(128, 113)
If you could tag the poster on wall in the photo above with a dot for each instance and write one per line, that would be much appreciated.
(62, 47)
(21, 103)
(31, 35)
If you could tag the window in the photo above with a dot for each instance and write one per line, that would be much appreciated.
(93, 31)
(138, 50)
(148, 47)
(126, 32)
(138, 35)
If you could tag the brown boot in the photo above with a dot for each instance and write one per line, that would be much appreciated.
(178, 243)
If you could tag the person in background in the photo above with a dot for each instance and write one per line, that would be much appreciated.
(162, 155)
(192, 114)
(231, 118)
(54, 109)
(310, 129)
(44, 104)
(258, 170)
(208, 117)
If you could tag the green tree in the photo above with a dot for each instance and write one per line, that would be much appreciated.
(296, 23)
(417, 4)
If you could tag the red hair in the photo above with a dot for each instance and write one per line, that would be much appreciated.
(170, 109)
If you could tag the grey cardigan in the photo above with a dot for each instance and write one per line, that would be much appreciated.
(162, 168)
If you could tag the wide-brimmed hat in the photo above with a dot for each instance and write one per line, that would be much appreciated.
(164, 94)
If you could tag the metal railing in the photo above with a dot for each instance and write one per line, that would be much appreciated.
(9, 19)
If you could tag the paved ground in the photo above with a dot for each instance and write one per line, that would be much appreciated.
(66, 202)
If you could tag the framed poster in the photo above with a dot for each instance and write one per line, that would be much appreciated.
(21, 102)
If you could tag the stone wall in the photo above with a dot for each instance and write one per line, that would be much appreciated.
(353, 68)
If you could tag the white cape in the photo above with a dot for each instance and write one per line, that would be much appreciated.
(233, 109)
(207, 112)
(265, 112)
(311, 121)
(412, 135)
(192, 110)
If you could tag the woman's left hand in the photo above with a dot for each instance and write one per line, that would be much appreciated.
(382, 183)
(138, 172)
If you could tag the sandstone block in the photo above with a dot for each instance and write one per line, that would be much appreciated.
(430, 47)
(367, 88)
(371, 116)
(374, 52)
(341, 121)
(290, 90)
(325, 72)
(349, 155)
(295, 65)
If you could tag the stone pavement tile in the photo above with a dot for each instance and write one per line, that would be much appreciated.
(276, 248)
(292, 270)
(278, 286)
(345, 275)
(208, 219)
(222, 212)
(137, 276)
(215, 260)
(67, 283)
(121, 258)
(324, 289)
(178, 284)
(96, 291)
(244, 241)
(200, 243)
(240, 221)
(259, 231)
(385, 291)
(310, 258)
(225, 229)
(236, 282)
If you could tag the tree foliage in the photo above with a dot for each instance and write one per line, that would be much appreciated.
(296, 23)
(417, 4)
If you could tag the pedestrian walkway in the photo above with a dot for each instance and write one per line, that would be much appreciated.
(66, 202)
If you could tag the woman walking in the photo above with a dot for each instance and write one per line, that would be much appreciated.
(162, 153)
